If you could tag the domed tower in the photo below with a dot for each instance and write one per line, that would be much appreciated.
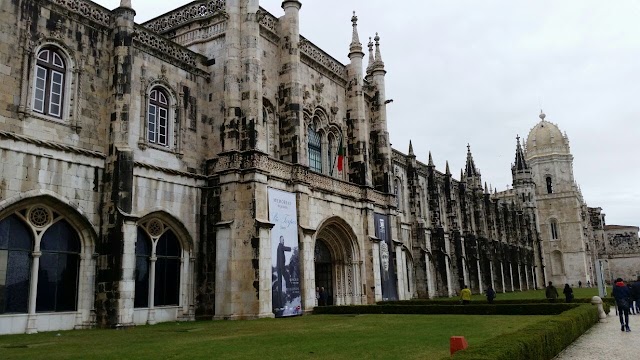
(559, 204)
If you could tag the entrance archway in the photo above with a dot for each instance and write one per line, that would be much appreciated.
(323, 272)
(338, 264)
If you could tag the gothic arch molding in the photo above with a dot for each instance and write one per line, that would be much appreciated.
(347, 265)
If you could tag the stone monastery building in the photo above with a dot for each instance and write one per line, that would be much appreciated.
(214, 163)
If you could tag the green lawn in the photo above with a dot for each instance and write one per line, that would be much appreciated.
(306, 337)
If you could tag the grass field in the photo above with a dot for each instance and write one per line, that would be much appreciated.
(306, 337)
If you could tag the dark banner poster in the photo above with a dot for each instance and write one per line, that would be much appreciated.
(285, 264)
(387, 258)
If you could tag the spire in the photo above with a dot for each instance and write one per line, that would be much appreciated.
(356, 46)
(542, 115)
(411, 149)
(471, 166)
(486, 189)
(371, 59)
(447, 171)
(430, 159)
(378, 64)
(461, 174)
(520, 164)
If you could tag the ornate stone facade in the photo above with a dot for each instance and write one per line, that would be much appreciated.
(154, 146)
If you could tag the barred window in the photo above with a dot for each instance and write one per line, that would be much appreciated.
(158, 118)
(315, 150)
(48, 89)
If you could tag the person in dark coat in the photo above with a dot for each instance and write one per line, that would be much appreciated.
(551, 292)
(491, 294)
(622, 294)
(568, 293)
(635, 294)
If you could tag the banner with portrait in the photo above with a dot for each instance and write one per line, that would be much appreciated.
(387, 258)
(285, 259)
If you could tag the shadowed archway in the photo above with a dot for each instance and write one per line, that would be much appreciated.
(343, 268)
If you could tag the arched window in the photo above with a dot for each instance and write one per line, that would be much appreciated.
(554, 229)
(16, 243)
(330, 155)
(167, 270)
(58, 266)
(549, 185)
(315, 150)
(157, 267)
(557, 264)
(143, 255)
(158, 117)
(58, 271)
(48, 89)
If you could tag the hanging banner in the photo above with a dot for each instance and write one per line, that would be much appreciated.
(285, 263)
(387, 258)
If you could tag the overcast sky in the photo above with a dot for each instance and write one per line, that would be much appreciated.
(479, 71)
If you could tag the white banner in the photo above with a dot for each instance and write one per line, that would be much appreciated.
(285, 259)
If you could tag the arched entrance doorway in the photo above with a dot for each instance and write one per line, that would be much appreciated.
(338, 264)
(323, 272)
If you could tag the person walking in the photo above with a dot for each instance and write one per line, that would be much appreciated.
(622, 294)
(580, 283)
(551, 292)
(465, 295)
(635, 294)
(568, 293)
(491, 294)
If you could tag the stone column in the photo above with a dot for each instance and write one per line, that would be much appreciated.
(224, 283)
(377, 278)
(504, 290)
(308, 274)
(128, 282)
(32, 325)
(151, 315)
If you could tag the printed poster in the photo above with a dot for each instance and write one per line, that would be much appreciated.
(387, 258)
(285, 258)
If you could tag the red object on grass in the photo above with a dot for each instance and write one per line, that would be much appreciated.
(457, 343)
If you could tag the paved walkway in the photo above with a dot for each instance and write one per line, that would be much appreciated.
(606, 341)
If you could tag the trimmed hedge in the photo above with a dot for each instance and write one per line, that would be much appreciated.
(483, 309)
(606, 302)
(540, 341)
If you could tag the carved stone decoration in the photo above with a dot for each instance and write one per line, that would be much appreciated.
(86, 9)
(327, 64)
(195, 11)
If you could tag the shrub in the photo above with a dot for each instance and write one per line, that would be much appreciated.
(540, 341)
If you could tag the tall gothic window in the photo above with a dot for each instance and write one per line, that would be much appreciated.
(157, 267)
(315, 150)
(58, 266)
(16, 243)
(158, 117)
(48, 89)
(549, 185)
(58, 272)
(330, 156)
(554, 229)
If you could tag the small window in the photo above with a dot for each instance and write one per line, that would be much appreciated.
(549, 185)
(49, 82)
(315, 150)
(158, 118)
(554, 230)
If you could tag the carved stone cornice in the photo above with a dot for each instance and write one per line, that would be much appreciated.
(197, 10)
(169, 51)
(322, 62)
(51, 144)
(87, 10)
(295, 173)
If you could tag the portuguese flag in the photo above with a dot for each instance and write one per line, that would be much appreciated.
(340, 156)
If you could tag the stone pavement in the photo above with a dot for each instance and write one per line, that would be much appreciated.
(605, 341)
